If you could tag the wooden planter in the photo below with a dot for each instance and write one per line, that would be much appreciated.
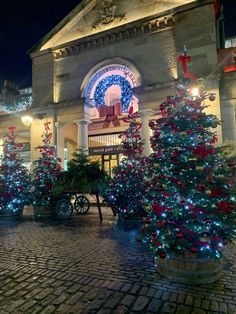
(6, 213)
(190, 269)
(43, 212)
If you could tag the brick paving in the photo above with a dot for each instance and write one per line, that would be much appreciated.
(84, 266)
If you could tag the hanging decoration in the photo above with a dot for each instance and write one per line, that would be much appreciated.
(184, 59)
(15, 103)
(103, 85)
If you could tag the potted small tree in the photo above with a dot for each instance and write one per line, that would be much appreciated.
(83, 175)
(127, 189)
(14, 178)
(45, 172)
(192, 215)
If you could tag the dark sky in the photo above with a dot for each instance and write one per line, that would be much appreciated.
(25, 22)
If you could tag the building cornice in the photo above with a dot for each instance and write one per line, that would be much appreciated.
(36, 49)
(60, 25)
(118, 34)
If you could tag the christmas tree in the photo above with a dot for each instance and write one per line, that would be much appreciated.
(126, 192)
(46, 170)
(83, 175)
(192, 207)
(14, 177)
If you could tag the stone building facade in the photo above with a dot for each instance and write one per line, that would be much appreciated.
(105, 56)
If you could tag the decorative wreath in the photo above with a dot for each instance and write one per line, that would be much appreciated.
(103, 85)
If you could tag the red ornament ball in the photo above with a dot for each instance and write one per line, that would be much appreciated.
(201, 187)
(230, 163)
(160, 224)
(151, 125)
(212, 97)
(193, 249)
(179, 235)
(162, 255)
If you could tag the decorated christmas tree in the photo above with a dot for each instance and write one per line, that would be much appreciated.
(192, 207)
(126, 192)
(14, 177)
(46, 170)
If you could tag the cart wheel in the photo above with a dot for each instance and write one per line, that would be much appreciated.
(81, 204)
(64, 208)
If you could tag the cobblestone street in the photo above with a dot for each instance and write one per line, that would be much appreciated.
(84, 266)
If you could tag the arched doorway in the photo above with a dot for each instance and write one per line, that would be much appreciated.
(110, 85)
(109, 91)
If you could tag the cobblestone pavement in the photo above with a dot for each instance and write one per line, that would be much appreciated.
(84, 266)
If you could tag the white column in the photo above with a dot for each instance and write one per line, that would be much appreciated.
(146, 115)
(228, 120)
(82, 139)
(60, 139)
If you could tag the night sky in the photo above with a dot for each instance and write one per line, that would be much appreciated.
(24, 23)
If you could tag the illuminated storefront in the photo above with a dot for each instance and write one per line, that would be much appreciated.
(107, 149)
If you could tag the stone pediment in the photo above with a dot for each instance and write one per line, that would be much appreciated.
(94, 16)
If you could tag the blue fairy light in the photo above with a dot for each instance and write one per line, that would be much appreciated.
(16, 103)
(103, 85)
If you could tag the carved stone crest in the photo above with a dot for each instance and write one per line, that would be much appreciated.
(107, 9)
(107, 13)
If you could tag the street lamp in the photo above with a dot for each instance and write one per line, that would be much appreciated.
(27, 120)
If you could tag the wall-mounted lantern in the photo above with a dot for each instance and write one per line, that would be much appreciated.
(27, 120)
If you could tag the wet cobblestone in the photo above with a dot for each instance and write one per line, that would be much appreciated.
(84, 266)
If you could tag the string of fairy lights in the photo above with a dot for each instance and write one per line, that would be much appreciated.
(16, 103)
(103, 85)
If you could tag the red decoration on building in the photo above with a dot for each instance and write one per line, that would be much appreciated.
(229, 59)
(111, 114)
(184, 59)
(217, 7)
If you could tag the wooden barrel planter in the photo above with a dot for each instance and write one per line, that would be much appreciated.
(190, 269)
(43, 212)
(11, 214)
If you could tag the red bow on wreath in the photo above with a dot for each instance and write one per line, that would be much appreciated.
(111, 114)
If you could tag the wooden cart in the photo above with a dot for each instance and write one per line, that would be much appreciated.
(72, 200)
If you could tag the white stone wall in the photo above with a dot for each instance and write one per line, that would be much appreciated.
(43, 79)
(228, 105)
(196, 29)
